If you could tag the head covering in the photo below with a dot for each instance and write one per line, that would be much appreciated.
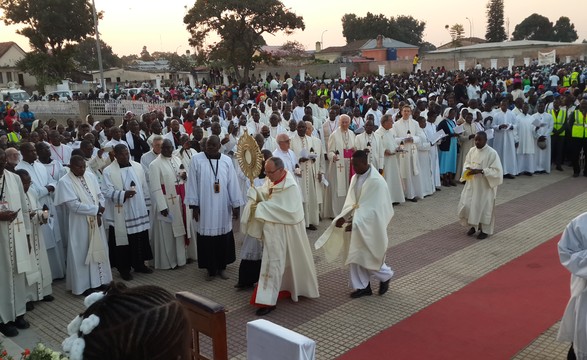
(446, 111)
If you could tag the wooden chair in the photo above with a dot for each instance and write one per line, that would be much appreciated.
(208, 318)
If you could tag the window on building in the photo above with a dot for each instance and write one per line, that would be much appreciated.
(1, 77)
(117, 79)
(8, 76)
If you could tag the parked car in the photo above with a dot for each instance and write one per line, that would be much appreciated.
(60, 95)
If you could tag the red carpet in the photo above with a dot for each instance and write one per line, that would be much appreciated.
(494, 317)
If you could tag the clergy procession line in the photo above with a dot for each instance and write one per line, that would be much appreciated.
(164, 189)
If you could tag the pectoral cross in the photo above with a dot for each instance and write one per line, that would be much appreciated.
(119, 206)
(340, 167)
(172, 198)
(17, 223)
(266, 277)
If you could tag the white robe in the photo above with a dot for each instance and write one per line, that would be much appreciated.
(408, 161)
(543, 156)
(368, 205)
(275, 214)
(390, 164)
(39, 279)
(572, 250)
(88, 265)
(309, 184)
(504, 140)
(429, 131)
(465, 145)
(339, 172)
(61, 153)
(527, 136)
(477, 203)
(186, 160)
(369, 142)
(168, 243)
(427, 183)
(14, 256)
(51, 233)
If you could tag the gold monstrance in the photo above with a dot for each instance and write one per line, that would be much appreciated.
(249, 156)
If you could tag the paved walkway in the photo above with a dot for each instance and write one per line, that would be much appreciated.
(429, 251)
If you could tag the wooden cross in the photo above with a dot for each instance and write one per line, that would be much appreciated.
(340, 167)
(172, 198)
(18, 224)
(266, 276)
(119, 206)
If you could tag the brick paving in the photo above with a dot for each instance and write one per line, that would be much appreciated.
(429, 251)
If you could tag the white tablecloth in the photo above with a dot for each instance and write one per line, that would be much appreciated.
(269, 341)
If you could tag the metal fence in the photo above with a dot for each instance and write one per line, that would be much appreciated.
(94, 108)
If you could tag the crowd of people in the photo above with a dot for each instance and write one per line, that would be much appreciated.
(163, 189)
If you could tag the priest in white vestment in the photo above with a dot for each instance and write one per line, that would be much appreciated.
(388, 160)
(572, 253)
(59, 152)
(504, 141)
(212, 192)
(483, 173)
(185, 154)
(269, 142)
(43, 187)
(368, 142)
(341, 145)
(169, 231)
(88, 266)
(527, 137)
(286, 154)
(14, 255)
(275, 214)
(408, 132)
(429, 131)
(310, 176)
(424, 161)
(359, 233)
(38, 279)
(127, 216)
(543, 154)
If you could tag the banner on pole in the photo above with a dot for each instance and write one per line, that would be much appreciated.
(546, 58)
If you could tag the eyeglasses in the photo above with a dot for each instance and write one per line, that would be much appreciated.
(272, 172)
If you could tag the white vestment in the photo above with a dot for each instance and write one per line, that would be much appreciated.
(270, 144)
(429, 131)
(38, 279)
(310, 186)
(572, 250)
(408, 161)
(61, 153)
(477, 204)
(274, 214)
(526, 151)
(339, 172)
(168, 239)
(186, 157)
(51, 233)
(370, 143)
(88, 265)
(290, 160)
(426, 180)
(543, 156)
(504, 140)
(368, 205)
(465, 145)
(14, 255)
(390, 164)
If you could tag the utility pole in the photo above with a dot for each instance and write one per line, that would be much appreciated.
(98, 47)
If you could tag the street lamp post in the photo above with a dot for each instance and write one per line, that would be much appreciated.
(98, 47)
(322, 39)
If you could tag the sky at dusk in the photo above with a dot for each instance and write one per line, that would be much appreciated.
(128, 25)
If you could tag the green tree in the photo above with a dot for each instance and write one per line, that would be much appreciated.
(86, 55)
(534, 27)
(241, 26)
(293, 50)
(402, 28)
(52, 27)
(145, 55)
(495, 28)
(457, 32)
(564, 30)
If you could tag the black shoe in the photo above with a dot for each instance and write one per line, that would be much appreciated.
(30, 306)
(413, 200)
(144, 270)
(395, 203)
(482, 236)
(383, 287)
(8, 330)
(126, 276)
(48, 298)
(362, 292)
(265, 310)
(559, 168)
(189, 261)
(471, 231)
(576, 175)
(21, 323)
(312, 227)
(88, 292)
(240, 286)
(509, 176)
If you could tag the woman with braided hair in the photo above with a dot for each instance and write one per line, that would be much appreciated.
(144, 322)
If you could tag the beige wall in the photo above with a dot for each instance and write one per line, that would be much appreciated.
(130, 75)
(8, 66)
